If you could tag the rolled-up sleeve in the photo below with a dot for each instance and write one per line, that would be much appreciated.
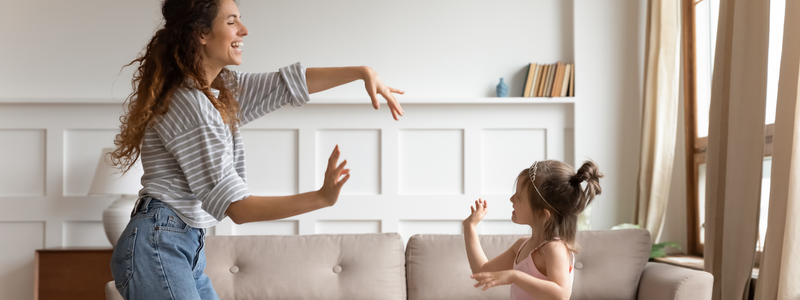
(207, 162)
(261, 93)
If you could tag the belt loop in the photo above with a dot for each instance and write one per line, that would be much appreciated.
(141, 203)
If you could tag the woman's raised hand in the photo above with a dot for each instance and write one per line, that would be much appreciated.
(478, 212)
(375, 86)
(333, 179)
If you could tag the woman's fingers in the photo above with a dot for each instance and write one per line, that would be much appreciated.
(341, 182)
(333, 158)
(373, 96)
(338, 171)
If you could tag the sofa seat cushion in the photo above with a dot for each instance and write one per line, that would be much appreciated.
(363, 266)
(438, 268)
(608, 266)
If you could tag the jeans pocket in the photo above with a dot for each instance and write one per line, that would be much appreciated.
(122, 258)
(169, 221)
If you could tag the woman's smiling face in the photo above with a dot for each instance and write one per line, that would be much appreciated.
(223, 45)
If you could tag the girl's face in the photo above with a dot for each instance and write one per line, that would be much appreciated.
(223, 45)
(522, 214)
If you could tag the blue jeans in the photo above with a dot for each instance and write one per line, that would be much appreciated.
(158, 256)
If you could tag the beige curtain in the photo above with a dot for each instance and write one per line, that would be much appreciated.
(659, 113)
(736, 145)
(779, 271)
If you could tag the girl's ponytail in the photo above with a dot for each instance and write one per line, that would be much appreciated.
(590, 173)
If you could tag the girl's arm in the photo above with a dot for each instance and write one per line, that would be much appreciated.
(320, 79)
(255, 208)
(557, 286)
(477, 258)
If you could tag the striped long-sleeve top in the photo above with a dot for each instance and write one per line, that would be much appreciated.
(191, 159)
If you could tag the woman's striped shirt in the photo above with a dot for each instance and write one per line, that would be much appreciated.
(193, 162)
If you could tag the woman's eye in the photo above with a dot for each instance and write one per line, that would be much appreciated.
(230, 23)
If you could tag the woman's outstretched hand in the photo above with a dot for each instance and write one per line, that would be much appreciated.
(478, 212)
(375, 86)
(333, 179)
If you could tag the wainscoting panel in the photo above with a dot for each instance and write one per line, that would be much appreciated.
(348, 226)
(281, 227)
(431, 162)
(85, 234)
(81, 155)
(22, 162)
(361, 148)
(506, 152)
(271, 158)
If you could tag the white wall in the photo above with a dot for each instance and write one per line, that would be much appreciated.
(71, 52)
(609, 55)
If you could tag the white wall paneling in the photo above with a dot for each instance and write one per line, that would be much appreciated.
(22, 164)
(428, 166)
(280, 227)
(81, 154)
(348, 226)
(20, 241)
(85, 234)
(363, 147)
(271, 158)
(431, 162)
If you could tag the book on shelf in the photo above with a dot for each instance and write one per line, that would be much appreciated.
(571, 92)
(565, 82)
(550, 80)
(557, 80)
(529, 79)
(538, 85)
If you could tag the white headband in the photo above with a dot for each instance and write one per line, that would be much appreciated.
(532, 174)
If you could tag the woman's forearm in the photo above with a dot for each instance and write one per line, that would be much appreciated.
(258, 208)
(474, 250)
(543, 289)
(320, 79)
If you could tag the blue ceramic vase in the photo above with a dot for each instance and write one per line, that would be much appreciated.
(502, 89)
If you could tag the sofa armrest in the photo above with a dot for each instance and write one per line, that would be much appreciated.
(663, 281)
(111, 292)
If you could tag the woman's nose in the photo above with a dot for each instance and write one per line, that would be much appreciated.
(243, 31)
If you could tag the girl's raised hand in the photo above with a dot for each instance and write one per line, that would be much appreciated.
(478, 212)
(333, 179)
(492, 279)
(375, 86)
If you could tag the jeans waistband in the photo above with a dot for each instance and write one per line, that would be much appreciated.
(142, 204)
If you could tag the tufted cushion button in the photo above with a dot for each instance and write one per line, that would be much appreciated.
(337, 269)
(578, 265)
(234, 269)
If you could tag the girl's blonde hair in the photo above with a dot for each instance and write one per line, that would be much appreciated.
(565, 198)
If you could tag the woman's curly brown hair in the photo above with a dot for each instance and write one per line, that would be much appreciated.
(171, 60)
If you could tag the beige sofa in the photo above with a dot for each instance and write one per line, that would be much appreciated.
(610, 265)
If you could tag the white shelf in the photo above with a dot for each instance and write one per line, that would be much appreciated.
(364, 100)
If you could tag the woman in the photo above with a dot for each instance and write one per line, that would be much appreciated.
(182, 119)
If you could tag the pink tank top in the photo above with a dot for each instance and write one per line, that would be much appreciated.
(529, 268)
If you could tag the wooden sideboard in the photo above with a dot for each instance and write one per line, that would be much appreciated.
(72, 273)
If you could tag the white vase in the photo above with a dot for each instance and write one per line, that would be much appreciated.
(116, 217)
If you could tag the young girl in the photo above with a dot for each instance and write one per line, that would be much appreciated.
(548, 198)
(182, 121)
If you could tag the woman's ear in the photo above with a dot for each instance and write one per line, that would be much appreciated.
(202, 39)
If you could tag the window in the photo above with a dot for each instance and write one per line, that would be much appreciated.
(699, 44)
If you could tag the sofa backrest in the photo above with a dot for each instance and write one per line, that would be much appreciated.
(359, 266)
(608, 266)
